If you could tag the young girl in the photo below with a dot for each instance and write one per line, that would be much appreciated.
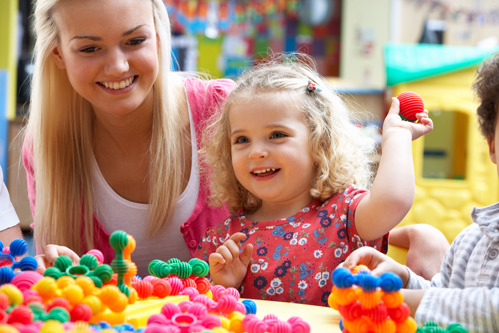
(286, 159)
(113, 134)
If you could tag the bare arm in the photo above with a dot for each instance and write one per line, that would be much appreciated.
(426, 248)
(9, 234)
(412, 298)
(392, 192)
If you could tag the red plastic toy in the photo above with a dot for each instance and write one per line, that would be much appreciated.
(410, 104)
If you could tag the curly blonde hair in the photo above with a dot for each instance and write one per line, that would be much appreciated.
(338, 158)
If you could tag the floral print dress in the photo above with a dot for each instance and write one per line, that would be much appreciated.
(293, 258)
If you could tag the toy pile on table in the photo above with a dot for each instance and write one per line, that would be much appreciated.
(96, 297)
(374, 304)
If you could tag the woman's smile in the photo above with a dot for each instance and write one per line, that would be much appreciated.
(119, 87)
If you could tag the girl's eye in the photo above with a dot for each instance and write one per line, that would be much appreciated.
(136, 41)
(241, 139)
(90, 49)
(277, 135)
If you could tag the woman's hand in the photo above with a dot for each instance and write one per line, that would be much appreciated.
(51, 253)
(228, 266)
(424, 124)
(377, 262)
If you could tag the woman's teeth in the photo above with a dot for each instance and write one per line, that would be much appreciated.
(118, 85)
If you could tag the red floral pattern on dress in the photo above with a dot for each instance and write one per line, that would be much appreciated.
(293, 258)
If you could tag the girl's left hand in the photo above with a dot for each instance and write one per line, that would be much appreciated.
(393, 121)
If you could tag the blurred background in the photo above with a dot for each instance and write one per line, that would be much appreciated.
(369, 50)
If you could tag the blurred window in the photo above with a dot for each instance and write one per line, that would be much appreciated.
(445, 148)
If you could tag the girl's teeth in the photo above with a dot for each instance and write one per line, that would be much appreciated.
(262, 171)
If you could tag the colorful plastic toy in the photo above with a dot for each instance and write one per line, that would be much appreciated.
(81, 299)
(119, 241)
(270, 323)
(218, 291)
(369, 303)
(250, 306)
(410, 104)
(89, 266)
(182, 270)
(9, 263)
(81, 293)
(432, 327)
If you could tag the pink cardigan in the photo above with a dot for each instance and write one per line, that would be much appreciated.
(204, 97)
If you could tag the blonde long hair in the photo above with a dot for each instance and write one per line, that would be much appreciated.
(59, 132)
(339, 159)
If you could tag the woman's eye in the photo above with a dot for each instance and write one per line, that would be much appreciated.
(91, 49)
(277, 135)
(136, 41)
(241, 139)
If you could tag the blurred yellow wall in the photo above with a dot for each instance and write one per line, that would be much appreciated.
(445, 201)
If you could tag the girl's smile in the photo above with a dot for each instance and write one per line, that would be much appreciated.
(265, 174)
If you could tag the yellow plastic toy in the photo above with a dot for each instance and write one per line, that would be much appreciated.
(138, 313)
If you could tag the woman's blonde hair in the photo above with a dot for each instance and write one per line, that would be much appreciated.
(339, 159)
(59, 133)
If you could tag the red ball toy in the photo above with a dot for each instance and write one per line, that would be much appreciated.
(161, 288)
(410, 104)
(144, 288)
(81, 312)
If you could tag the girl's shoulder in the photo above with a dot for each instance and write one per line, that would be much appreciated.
(227, 222)
(344, 200)
(352, 192)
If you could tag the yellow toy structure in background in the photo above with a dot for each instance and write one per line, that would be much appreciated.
(452, 166)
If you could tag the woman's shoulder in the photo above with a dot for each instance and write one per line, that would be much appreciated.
(27, 150)
(211, 90)
(206, 97)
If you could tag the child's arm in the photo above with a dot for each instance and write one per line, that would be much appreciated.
(393, 188)
(477, 309)
(413, 298)
(9, 234)
(426, 247)
(377, 262)
(228, 266)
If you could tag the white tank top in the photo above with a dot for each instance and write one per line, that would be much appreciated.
(117, 213)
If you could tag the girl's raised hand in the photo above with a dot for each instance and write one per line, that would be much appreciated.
(377, 262)
(228, 266)
(393, 121)
(51, 253)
